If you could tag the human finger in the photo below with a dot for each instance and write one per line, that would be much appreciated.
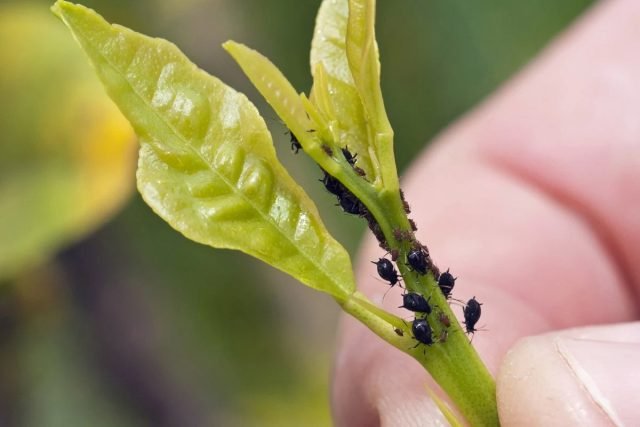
(582, 376)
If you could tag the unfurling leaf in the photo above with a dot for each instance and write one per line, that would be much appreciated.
(362, 54)
(275, 88)
(346, 86)
(334, 92)
(207, 163)
(301, 116)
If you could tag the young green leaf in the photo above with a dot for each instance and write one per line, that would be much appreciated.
(334, 93)
(329, 37)
(276, 89)
(207, 163)
(291, 107)
(362, 54)
(340, 103)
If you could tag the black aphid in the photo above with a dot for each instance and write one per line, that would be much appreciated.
(422, 332)
(386, 270)
(351, 158)
(417, 259)
(398, 332)
(416, 303)
(351, 204)
(413, 225)
(332, 185)
(472, 312)
(295, 144)
(346, 200)
(446, 283)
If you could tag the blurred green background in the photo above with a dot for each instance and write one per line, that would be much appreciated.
(110, 318)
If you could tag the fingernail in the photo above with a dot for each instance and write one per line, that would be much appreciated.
(609, 372)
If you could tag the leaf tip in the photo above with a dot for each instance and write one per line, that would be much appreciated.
(72, 13)
(61, 6)
(56, 8)
(232, 46)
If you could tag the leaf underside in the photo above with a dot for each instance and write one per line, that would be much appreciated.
(207, 163)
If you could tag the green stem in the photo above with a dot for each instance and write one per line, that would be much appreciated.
(453, 364)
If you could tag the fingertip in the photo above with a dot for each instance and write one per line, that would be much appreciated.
(583, 377)
(375, 385)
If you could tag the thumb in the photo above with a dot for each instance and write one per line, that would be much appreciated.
(584, 376)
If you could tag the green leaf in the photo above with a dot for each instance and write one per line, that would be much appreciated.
(67, 155)
(334, 92)
(295, 110)
(329, 37)
(207, 163)
(276, 89)
(362, 55)
(328, 46)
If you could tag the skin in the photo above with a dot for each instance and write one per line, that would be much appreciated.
(537, 212)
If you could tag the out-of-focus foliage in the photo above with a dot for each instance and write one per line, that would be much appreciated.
(66, 153)
(270, 366)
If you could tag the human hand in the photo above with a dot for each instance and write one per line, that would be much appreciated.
(533, 201)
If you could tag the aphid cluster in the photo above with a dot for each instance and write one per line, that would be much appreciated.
(420, 327)
(346, 199)
(413, 302)
(417, 258)
(421, 306)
